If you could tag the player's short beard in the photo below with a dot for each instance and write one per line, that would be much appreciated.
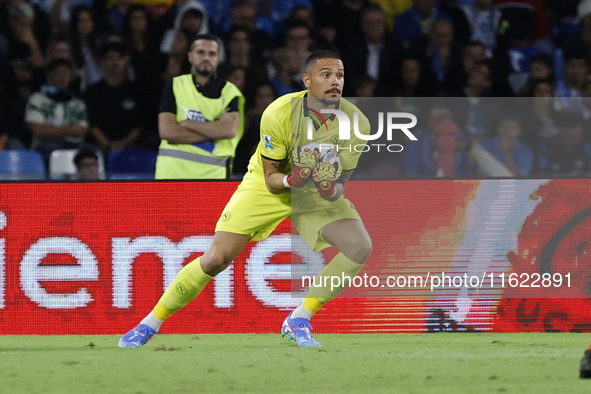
(329, 101)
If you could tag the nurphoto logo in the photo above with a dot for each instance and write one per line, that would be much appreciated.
(392, 119)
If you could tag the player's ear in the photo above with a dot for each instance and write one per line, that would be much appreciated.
(306, 80)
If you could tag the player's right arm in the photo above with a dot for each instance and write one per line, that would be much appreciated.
(274, 175)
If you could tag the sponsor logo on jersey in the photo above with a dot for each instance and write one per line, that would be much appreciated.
(267, 141)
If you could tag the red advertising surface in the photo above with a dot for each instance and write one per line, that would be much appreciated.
(93, 258)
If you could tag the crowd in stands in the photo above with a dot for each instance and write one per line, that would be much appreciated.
(88, 74)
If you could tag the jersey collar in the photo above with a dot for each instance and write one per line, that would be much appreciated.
(306, 112)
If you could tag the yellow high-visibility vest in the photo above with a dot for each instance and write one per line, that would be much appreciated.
(205, 160)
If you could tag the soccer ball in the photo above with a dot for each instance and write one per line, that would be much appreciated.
(306, 156)
(328, 167)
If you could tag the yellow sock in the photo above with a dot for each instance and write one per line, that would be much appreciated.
(312, 305)
(186, 286)
(340, 266)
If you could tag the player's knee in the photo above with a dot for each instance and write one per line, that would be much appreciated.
(359, 250)
(365, 248)
(215, 263)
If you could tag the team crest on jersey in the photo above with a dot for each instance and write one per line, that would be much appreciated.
(267, 141)
(181, 289)
(195, 115)
(226, 216)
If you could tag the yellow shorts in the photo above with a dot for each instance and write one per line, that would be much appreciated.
(257, 212)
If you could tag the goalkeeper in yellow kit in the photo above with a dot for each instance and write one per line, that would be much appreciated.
(287, 161)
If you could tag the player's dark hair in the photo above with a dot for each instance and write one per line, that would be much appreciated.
(84, 154)
(322, 54)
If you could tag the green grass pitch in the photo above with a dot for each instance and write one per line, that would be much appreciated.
(360, 363)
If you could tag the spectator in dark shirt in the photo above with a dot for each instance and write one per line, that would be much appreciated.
(477, 112)
(114, 111)
(567, 154)
(582, 41)
(410, 81)
(298, 38)
(474, 52)
(139, 36)
(238, 47)
(286, 67)
(539, 115)
(441, 56)
(568, 90)
(26, 66)
(83, 38)
(417, 21)
(421, 157)
(117, 13)
(344, 16)
(176, 63)
(41, 26)
(506, 147)
(375, 53)
(261, 29)
(541, 69)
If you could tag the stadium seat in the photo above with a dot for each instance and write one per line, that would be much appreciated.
(139, 164)
(21, 165)
(61, 164)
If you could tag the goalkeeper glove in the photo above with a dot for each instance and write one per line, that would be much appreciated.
(327, 189)
(304, 158)
(325, 176)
